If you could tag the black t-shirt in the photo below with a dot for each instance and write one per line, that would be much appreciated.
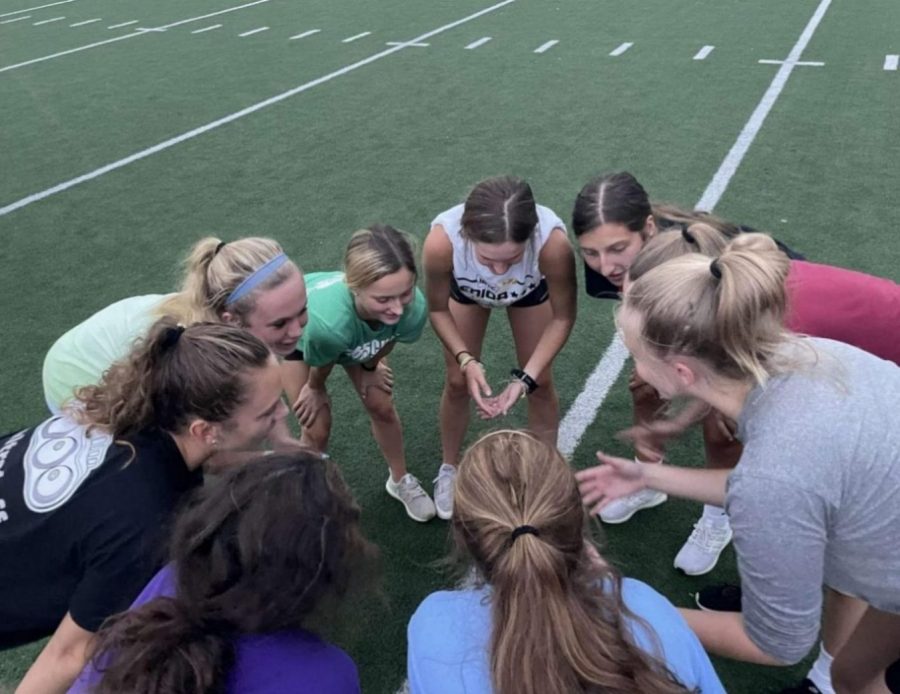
(597, 286)
(82, 521)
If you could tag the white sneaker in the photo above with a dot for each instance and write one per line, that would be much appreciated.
(409, 492)
(443, 491)
(702, 549)
(622, 509)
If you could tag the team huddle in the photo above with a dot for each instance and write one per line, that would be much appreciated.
(172, 534)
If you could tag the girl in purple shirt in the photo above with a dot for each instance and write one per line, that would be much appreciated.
(253, 555)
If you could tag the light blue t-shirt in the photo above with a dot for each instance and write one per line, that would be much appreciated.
(449, 637)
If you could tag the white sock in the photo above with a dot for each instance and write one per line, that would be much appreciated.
(715, 514)
(820, 673)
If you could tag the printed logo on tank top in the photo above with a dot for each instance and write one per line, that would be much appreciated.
(368, 350)
(505, 292)
(59, 458)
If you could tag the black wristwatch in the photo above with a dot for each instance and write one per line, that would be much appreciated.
(530, 384)
(368, 368)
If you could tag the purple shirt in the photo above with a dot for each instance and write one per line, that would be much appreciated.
(287, 662)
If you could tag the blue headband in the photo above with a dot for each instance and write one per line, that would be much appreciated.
(256, 278)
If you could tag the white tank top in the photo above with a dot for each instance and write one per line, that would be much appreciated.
(481, 285)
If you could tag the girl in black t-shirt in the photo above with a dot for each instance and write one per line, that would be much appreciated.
(85, 495)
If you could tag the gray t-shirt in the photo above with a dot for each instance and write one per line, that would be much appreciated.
(814, 499)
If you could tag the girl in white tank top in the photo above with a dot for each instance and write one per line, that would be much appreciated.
(497, 250)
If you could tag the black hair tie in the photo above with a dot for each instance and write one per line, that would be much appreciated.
(715, 270)
(171, 336)
(221, 245)
(688, 236)
(524, 530)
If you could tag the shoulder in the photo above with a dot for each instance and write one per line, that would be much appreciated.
(437, 250)
(447, 610)
(450, 219)
(549, 220)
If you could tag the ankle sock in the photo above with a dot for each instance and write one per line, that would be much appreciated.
(715, 514)
(820, 673)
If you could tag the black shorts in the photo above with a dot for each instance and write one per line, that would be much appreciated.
(535, 297)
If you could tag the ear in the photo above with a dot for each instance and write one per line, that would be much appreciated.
(228, 318)
(204, 432)
(685, 374)
(650, 228)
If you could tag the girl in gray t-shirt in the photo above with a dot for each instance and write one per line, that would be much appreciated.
(812, 500)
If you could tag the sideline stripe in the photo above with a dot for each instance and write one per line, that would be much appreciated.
(48, 21)
(584, 410)
(891, 62)
(351, 39)
(17, 19)
(480, 42)
(546, 46)
(31, 9)
(144, 153)
(703, 52)
(86, 21)
(621, 49)
(305, 34)
(139, 32)
(253, 31)
(209, 28)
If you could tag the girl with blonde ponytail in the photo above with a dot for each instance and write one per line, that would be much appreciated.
(249, 283)
(547, 615)
(812, 499)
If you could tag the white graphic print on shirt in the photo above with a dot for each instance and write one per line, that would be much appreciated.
(59, 458)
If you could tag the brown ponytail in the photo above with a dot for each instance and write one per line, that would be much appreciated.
(554, 629)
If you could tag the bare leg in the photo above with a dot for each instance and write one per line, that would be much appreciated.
(294, 375)
(646, 406)
(471, 321)
(386, 427)
(859, 666)
(528, 325)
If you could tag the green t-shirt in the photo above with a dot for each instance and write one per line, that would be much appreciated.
(81, 355)
(335, 334)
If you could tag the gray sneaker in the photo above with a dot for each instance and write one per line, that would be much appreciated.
(443, 491)
(409, 492)
(702, 549)
(622, 509)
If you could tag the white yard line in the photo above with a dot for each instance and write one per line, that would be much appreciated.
(704, 52)
(138, 32)
(123, 24)
(17, 19)
(407, 43)
(48, 21)
(351, 39)
(546, 46)
(480, 42)
(86, 21)
(253, 31)
(205, 29)
(799, 63)
(891, 62)
(189, 135)
(584, 409)
(621, 49)
(304, 34)
(32, 9)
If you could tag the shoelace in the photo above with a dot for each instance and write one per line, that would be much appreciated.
(410, 486)
(708, 537)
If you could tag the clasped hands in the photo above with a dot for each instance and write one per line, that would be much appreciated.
(490, 405)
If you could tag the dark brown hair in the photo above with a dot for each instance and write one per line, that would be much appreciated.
(172, 376)
(615, 198)
(255, 552)
(554, 629)
(498, 210)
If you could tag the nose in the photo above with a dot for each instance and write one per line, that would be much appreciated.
(395, 306)
(607, 266)
(295, 328)
(499, 268)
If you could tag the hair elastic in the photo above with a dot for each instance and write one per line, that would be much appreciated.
(219, 247)
(687, 235)
(524, 530)
(254, 279)
(715, 270)
(171, 336)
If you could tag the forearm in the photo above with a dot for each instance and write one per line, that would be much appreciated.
(382, 354)
(318, 375)
(53, 672)
(692, 412)
(723, 634)
(447, 332)
(705, 486)
(551, 342)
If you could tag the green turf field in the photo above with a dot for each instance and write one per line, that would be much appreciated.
(170, 127)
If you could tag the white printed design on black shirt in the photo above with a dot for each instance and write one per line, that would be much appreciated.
(59, 458)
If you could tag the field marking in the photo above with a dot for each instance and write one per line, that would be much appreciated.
(351, 39)
(584, 409)
(407, 43)
(139, 32)
(891, 62)
(621, 49)
(171, 142)
(209, 28)
(86, 21)
(123, 24)
(304, 34)
(704, 52)
(39, 7)
(799, 63)
(48, 21)
(17, 19)
(253, 31)
(480, 42)
(546, 46)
